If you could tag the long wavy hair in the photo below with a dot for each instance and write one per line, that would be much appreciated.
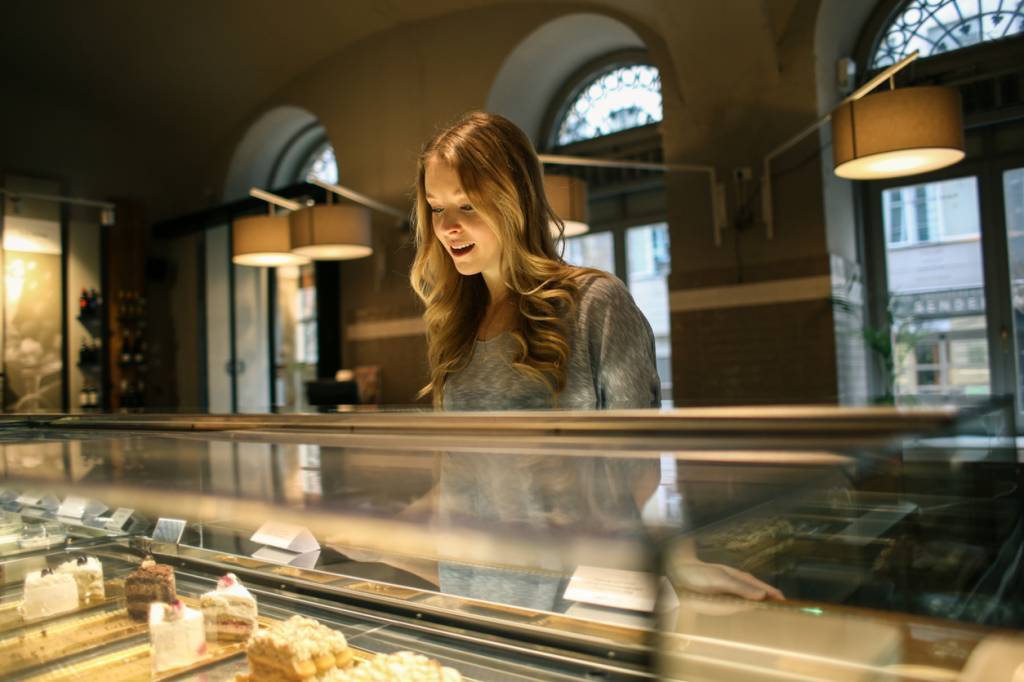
(501, 176)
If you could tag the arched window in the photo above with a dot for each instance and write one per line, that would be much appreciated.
(616, 99)
(321, 164)
(937, 26)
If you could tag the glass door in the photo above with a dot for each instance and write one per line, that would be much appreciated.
(936, 347)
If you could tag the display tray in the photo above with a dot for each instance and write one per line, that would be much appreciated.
(99, 640)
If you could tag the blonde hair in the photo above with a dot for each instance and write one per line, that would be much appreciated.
(501, 175)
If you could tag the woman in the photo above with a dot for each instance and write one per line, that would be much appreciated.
(511, 326)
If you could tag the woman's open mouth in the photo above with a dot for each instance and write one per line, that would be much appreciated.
(462, 250)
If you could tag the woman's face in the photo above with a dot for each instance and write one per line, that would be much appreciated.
(462, 231)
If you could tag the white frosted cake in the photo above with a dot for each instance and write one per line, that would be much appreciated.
(48, 594)
(88, 575)
(229, 611)
(176, 635)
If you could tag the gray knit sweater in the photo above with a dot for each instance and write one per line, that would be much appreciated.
(611, 364)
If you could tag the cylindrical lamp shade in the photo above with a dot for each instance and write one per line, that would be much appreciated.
(263, 241)
(568, 198)
(897, 132)
(331, 232)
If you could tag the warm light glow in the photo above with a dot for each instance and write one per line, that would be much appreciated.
(334, 251)
(269, 259)
(898, 163)
(573, 228)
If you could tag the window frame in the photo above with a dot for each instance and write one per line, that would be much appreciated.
(574, 84)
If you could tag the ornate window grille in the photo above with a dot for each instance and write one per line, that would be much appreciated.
(937, 26)
(620, 98)
(321, 164)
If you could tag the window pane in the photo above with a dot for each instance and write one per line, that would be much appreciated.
(618, 99)
(936, 291)
(595, 250)
(937, 26)
(648, 264)
(1013, 198)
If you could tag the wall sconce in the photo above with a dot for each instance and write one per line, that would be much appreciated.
(897, 132)
(568, 198)
(886, 135)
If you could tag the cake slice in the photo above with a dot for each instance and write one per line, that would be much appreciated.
(176, 635)
(228, 611)
(297, 649)
(47, 594)
(150, 582)
(88, 574)
(403, 666)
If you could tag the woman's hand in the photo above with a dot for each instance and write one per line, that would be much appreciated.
(698, 576)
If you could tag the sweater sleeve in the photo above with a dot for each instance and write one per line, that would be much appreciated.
(621, 347)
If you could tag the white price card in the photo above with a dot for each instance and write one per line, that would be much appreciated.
(285, 536)
(283, 556)
(74, 507)
(613, 587)
(119, 519)
(169, 530)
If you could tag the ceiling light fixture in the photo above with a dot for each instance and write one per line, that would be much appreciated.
(264, 240)
(889, 134)
(568, 199)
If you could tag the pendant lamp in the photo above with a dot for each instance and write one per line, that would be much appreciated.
(897, 132)
(331, 232)
(263, 241)
(568, 199)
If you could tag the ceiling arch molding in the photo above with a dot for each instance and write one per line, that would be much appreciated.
(258, 158)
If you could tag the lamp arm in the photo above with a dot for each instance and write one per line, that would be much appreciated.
(358, 198)
(274, 199)
(717, 193)
(767, 208)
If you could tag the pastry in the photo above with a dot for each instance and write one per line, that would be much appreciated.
(88, 574)
(149, 583)
(48, 593)
(176, 635)
(228, 611)
(404, 666)
(298, 649)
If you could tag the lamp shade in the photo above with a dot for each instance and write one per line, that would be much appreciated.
(331, 232)
(897, 132)
(568, 198)
(263, 241)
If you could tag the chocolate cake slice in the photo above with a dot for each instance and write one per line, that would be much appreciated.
(151, 582)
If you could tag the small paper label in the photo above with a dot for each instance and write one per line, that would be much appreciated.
(73, 507)
(119, 519)
(613, 587)
(283, 556)
(285, 536)
(169, 530)
(29, 499)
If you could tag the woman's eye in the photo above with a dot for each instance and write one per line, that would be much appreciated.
(467, 208)
(436, 211)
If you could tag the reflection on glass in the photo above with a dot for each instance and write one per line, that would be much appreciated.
(295, 336)
(936, 291)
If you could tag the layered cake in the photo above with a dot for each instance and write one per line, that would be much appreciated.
(228, 611)
(47, 594)
(176, 635)
(88, 574)
(150, 582)
(404, 666)
(297, 649)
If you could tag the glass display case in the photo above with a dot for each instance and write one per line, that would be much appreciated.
(533, 546)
